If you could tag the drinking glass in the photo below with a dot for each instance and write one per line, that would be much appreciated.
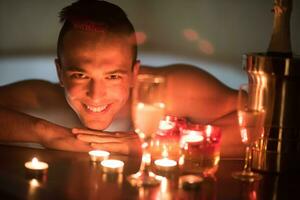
(148, 109)
(251, 117)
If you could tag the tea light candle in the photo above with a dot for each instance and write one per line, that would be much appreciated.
(112, 166)
(166, 125)
(165, 164)
(98, 155)
(192, 137)
(36, 166)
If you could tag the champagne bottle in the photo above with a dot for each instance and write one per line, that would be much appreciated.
(280, 43)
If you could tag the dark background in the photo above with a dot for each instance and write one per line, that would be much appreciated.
(211, 34)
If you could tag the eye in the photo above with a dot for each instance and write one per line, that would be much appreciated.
(78, 76)
(113, 77)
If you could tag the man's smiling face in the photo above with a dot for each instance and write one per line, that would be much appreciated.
(97, 72)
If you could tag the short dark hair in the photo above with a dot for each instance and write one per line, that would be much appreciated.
(94, 15)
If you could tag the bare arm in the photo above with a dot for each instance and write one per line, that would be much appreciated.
(17, 126)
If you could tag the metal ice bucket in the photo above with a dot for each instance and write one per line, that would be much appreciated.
(279, 149)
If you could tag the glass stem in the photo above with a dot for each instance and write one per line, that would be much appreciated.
(146, 158)
(248, 159)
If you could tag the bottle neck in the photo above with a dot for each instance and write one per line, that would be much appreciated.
(280, 43)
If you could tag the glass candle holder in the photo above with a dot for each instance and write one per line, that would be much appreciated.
(200, 149)
(165, 149)
(165, 144)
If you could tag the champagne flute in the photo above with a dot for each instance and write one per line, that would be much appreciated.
(251, 118)
(148, 109)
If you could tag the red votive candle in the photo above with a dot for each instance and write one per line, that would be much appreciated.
(200, 147)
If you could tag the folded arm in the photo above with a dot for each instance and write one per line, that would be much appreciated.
(17, 126)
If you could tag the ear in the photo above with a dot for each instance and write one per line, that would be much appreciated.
(136, 69)
(59, 72)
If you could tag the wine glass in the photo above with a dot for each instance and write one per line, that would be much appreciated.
(148, 109)
(251, 118)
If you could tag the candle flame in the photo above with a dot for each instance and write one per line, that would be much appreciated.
(166, 125)
(35, 161)
(208, 130)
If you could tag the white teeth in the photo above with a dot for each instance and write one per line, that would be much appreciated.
(96, 109)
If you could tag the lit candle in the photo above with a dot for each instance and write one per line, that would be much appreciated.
(166, 125)
(112, 166)
(192, 137)
(98, 155)
(36, 166)
(165, 164)
(208, 131)
(200, 148)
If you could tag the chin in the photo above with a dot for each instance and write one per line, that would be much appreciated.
(96, 125)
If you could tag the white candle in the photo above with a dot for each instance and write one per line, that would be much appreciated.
(112, 166)
(192, 136)
(98, 155)
(166, 125)
(165, 164)
(36, 166)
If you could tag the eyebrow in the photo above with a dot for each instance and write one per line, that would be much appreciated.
(73, 68)
(116, 71)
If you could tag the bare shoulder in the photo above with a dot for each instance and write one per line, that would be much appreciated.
(195, 93)
(29, 94)
(189, 75)
(180, 71)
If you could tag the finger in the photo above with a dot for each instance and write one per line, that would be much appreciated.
(97, 139)
(86, 131)
(112, 147)
(124, 135)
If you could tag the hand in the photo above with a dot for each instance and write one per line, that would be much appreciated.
(57, 137)
(115, 142)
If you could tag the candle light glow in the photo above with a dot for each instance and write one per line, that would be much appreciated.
(200, 147)
(165, 162)
(112, 165)
(192, 136)
(98, 155)
(35, 164)
(166, 125)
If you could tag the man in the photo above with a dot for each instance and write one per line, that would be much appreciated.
(97, 66)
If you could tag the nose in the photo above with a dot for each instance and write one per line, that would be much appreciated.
(96, 90)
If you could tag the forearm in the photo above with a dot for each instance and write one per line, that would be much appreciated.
(18, 127)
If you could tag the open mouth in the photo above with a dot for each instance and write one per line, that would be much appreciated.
(96, 109)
